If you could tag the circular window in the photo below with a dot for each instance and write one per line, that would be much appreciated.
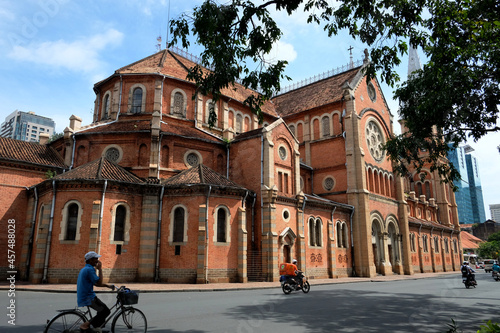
(372, 92)
(282, 152)
(113, 153)
(328, 183)
(192, 158)
(286, 215)
(375, 141)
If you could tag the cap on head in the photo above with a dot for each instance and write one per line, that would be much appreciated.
(91, 254)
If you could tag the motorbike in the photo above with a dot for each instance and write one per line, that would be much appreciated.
(468, 281)
(495, 275)
(289, 283)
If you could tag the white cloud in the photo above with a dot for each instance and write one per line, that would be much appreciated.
(80, 55)
(282, 51)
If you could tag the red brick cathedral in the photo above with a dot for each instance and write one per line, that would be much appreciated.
(164, 197)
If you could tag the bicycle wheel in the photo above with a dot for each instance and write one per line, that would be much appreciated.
(129, 320)
(66, 322)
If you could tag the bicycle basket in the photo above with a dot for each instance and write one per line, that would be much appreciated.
(128, 297)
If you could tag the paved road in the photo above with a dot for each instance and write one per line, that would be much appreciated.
(421, 305)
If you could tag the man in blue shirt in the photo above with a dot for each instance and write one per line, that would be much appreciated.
(86, 296)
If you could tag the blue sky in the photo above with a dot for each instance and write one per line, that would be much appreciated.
(53, 51)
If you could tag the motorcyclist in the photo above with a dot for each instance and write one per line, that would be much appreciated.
(495, 268)
(293, 272)
(468, 272)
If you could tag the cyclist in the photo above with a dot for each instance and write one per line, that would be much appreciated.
(86, 296)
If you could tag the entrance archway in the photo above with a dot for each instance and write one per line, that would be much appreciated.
(377, 246)
(286, 243)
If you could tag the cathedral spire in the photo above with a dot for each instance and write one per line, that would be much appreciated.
(413, 61)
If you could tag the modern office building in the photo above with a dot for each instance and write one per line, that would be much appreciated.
(495, 212)
(469, 196)
(26, 126)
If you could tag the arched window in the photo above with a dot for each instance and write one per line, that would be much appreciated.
(312, 241)
(339, 234)
(178, 234)
(318, 234)
(137, 100)
(436, 245)
(178, 109)
(344, 235)
(221, 225)
(105, 108)
(292, 129)
(121, 213)
(72, 222)
(239, 124)
(412, 242)
(425, 245)
(428, 192)
(325, 124)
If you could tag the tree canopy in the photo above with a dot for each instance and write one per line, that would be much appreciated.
(454, 97)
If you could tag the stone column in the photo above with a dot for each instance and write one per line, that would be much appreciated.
(202, 264)
(148, 237)
(357, 194)
(300, 241)
(154, 152)
(242, 245)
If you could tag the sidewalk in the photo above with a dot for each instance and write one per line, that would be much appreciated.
(166, 287)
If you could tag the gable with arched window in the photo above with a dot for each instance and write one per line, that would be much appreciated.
(71, 222)
(178, 225)
(120, 224)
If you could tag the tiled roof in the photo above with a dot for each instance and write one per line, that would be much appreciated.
(174, 65)
(119, 126)
(313, 95)
(469, 241)
(187, 132)
(130, 126)
(200, 175)
(430, 223)
(29, 152)
(100, 169)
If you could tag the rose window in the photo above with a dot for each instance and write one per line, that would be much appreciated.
(375, 141)
(192, 159)
(112, 154)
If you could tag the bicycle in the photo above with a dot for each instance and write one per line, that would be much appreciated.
(125, 318)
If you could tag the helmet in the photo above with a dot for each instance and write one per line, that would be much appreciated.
(465, 263)
(294, 261)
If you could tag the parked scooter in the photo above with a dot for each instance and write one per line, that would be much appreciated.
(289, 283)
(495, 275)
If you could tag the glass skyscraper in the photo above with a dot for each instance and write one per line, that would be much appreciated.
(26, 126)
(469, 196)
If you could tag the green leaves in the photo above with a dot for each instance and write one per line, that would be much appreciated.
(455, 96)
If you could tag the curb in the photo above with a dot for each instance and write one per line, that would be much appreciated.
(170, 288)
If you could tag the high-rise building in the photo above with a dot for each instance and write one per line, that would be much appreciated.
(495, 212)
(469, 196)
(26, 126)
